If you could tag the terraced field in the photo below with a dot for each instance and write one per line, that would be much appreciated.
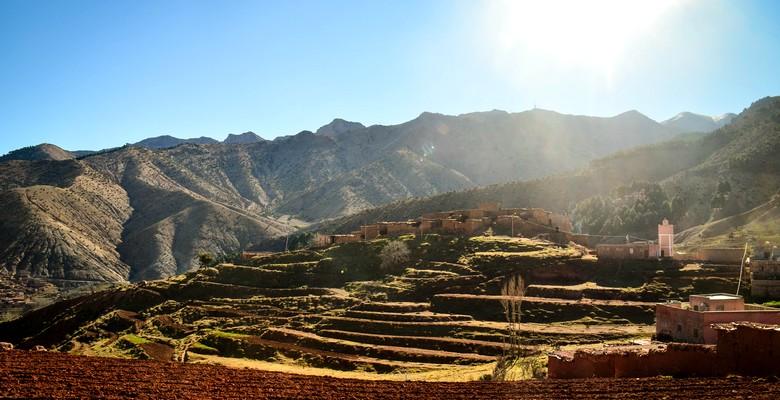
(340, 309)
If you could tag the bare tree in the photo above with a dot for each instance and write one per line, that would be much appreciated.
(393, 255)
(512, 292)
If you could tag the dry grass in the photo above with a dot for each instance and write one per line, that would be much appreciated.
(446, 374)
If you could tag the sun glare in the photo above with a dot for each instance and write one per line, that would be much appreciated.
(574, 34)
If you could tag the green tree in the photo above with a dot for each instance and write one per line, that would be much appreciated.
(206, 259)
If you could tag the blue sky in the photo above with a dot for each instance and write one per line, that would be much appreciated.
(91, 75)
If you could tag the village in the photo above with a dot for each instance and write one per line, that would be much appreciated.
(712, 334)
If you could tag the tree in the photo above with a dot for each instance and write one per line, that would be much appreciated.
(512, 292)
(393, 255)
(724, 187)
(206, 259)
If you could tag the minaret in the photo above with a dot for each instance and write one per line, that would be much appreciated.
(665, 239)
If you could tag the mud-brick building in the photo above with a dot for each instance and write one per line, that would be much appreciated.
(691, 322)
(741, 348)
(764, 266)
(720, 255)
(665, 239)
(321, 240)
(646, 249)
(627, 251)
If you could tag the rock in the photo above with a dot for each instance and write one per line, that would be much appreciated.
(39, 348)
(5, 346)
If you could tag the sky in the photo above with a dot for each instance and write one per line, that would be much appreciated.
(99, 74)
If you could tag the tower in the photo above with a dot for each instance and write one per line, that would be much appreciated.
(665, 239)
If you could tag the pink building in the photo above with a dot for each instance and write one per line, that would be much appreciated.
(665, 239)
(692, 322)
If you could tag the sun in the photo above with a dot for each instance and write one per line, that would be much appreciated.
(577, 34)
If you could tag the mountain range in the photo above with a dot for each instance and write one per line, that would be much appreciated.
(724, 186)
(145, 211)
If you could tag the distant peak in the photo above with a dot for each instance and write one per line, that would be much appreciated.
(168, 141)
(338, 127)
(243, 138)
(687, 121)
(632, 113)
(43, 151)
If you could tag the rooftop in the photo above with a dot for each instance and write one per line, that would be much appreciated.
(719, 296)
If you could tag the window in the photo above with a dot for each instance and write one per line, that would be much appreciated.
(695, 332)
(679, 328)
(719, 308)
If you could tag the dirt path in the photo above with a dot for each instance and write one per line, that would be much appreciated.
(55, 375)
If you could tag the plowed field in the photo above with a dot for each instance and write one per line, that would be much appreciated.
(55, 375)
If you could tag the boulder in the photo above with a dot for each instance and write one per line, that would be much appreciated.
(5, 346)
(39, 348)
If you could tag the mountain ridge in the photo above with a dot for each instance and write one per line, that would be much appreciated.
(167, 205)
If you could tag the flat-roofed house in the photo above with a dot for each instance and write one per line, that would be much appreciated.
(692, 321)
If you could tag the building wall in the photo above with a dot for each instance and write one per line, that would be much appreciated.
(477, 213)
(474, 226)
(452, 226)
(753, 350)
(370, 231)
(339, 239)
(400, 228)
(672, 359)
(631, 251)
(741, 349)
(321, 240)
(665, 239)
(720, 255)
(768, 289)
(765, 278)
(704, 303)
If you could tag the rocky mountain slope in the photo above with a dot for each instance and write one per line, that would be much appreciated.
(730, 175)
(141, 213)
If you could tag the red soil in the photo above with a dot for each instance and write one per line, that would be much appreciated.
(55, 375)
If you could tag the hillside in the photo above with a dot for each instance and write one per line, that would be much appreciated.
(145, 211)
(43, 151)
(708, 178)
